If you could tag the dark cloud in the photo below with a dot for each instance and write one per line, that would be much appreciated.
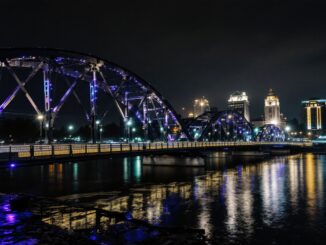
(189, 48)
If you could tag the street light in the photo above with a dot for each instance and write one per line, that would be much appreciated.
(287, 128)
(98, 129)
(129, 122)
(40, 118)
(128, 131)
(101, 130)
(70, 129)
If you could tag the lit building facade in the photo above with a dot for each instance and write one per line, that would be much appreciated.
(272, 110)
(200, 106)
(239, 102)
(315, 115)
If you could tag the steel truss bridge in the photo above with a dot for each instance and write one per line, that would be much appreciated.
(136, 100)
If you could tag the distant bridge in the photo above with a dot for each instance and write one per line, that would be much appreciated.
(11, 154)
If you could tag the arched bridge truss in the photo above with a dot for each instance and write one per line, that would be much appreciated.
(269, 132)
(224, 126)
(135, 98)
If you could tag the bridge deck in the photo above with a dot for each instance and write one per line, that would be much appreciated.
(66, 151)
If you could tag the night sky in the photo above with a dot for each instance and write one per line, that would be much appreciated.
(188, 49)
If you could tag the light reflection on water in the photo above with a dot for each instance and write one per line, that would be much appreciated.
(277, 200)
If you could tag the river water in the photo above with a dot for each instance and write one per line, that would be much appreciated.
(278, 200)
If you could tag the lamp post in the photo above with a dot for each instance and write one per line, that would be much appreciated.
(287, 130)
(98, 129)
(70, 129)
(129, 124)
(101, 130)
(40, 118)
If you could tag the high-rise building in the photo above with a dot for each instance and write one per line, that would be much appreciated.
(239, 102)
(315, 115)
(200, 106)
(272, 109)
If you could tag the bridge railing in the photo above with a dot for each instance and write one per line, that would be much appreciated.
(16, 152)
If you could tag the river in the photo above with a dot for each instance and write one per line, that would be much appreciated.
(279, 200)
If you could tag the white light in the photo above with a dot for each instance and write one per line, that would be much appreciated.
(98, 122)
(70, 127)
(40, 117)
(275, 122)
(129, 122)
(287, 128)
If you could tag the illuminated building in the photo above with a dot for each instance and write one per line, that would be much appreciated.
(201, 106)
(239, 102)
(315, 115)
(272, 109)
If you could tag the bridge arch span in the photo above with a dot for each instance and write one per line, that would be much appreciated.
(223, 126)
(135, 98)
(270, 132)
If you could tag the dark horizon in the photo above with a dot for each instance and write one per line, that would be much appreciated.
(186, 49)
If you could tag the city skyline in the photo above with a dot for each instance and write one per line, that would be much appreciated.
(163, 122)
(212, 49)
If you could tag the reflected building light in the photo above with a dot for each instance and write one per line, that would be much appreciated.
(137, 206)
(231, 204)
(75, 176)
(154, 203)
(126, 170)
(51, 170)
(266, 194)
(204, 217)
(60, 172)
(277, 194)
(247, 201)
(320, 180)
(75, 171)
(310, 184)
(137, 169)
(202, 187)
(294, 187)
(119, 204)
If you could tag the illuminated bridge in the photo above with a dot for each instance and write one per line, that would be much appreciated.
(136, 100)
(66, 152)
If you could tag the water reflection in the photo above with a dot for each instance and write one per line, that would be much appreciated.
(310, 184)
(246, 201)
(132, 169)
